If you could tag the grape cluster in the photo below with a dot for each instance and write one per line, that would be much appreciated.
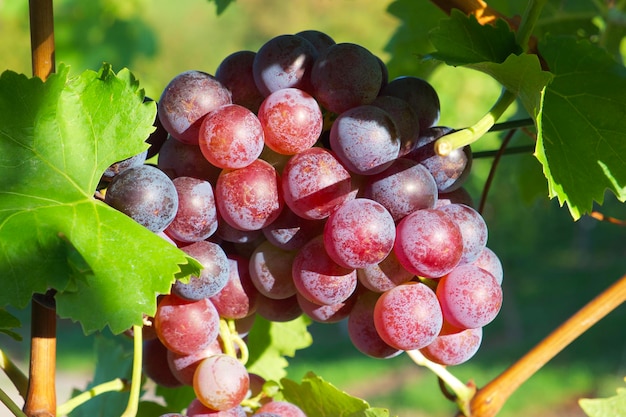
(306, 182)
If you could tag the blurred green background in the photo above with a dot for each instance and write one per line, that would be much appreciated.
(553, 265)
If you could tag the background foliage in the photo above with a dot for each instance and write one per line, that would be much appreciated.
(552, 264)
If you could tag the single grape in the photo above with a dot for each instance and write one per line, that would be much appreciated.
(450, 171)
(178, 159)
(420, 95)
(359, 233)
(212, 278)
(155, 366)
(145, 194)
(428, 243)
(365, 138)
(231, 137)
(473, 229)
(281, 408)
(197, 409)
(186, 326)
(318, 39)
(238, 299)
(345, 75)
(186, 99)
(326, 313)
(249, 198)
(235, 72)
(408, 316)
(402, 188)
(292, 121)
(282, 62)
(196, 217)
(184, 366)
(385, 275)
(221, 382)
(470, 297)
(318, 278)
(362, 331)
(315, 182)
(491, 263)
(404, 117)
(270, 271)
(278, 310)
(455, 348)
(227, 233)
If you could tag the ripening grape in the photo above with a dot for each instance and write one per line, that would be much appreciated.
(281, 408)
(473, 229)
(359, 233)
(145, 194)
(270, 271)
(326, 313)
(454, 348)
(318, 278)
(278, 310)
(196, 217)
(238, 298)
(345, 75)
(290, 231)
(428, 243)
(318, 39)
(213, 276)
(314, 183)
(408, 316)
(185, 326)
(402, 188)
(221, 382)
(404, 117)
(249, 198)
(282, 62)
(365, 138)
(186, 99)
(235, 72)
(183, 366)
(470, 297)
(197, 409)
(385, 275)
(179, 159)
(450, 171)
(155, 366)
(231, 137)
(362, 331)
(491, 263)
(291, 119)
(420, 95)
(123, 165)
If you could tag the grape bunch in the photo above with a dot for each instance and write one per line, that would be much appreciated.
(306, 182)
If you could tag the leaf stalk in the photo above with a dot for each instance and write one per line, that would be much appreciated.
(135, 383)
(116, 385)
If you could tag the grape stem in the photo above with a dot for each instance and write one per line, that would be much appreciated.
(455, 140)
(17, 377)
(116, 385)
(10, 404)
(489, 399)
(230, 339)
(464, 393)
(135, 383)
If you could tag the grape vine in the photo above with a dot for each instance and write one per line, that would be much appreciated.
(297, 183)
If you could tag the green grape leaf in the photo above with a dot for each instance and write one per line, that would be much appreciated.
(221, 5)
(113, 360)
(56, 139)
(461, 40)
(269, 343)
(8, 322)
(410, 41)
(582, 129)
(522, 75)
(605, 407)
(319, 398)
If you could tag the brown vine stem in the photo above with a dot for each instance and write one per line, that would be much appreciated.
(489, 399)
(40, 400)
